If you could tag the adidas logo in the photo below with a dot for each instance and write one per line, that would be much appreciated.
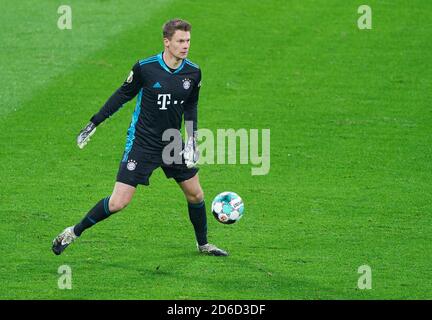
(157, 85)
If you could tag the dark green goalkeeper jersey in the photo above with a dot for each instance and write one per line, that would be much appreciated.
(164, 96)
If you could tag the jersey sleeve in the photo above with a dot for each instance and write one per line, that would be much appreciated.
(191, 106)
(129, 89)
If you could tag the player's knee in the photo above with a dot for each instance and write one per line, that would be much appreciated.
(116, 205)
(196, 197)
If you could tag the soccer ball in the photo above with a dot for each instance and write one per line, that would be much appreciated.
(227, 207)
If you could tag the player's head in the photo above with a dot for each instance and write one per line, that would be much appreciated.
(176, 35)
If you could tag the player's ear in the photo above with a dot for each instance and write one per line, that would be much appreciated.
(166, 42)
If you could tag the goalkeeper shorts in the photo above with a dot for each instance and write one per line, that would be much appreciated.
(138, 165)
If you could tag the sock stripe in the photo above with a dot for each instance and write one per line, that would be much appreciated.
(106, 206)
(196, 205)
(91, 220)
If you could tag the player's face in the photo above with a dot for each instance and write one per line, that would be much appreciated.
(179, 44)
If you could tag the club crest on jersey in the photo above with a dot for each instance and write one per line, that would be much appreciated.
(130, 77)
(186, 83)
(131, 165)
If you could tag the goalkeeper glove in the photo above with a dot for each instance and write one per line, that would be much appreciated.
(85, 134)
(190, 152)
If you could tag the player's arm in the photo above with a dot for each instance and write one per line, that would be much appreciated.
(190, 152)
(125, 93)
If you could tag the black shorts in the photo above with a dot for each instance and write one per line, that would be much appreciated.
(137, 166)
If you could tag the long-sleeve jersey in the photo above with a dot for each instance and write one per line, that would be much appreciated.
(164, 95)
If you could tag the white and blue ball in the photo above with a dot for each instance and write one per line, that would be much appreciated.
(227, 207)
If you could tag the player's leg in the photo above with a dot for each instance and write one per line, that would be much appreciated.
(196, 207)
(119, 199)
(197, 214)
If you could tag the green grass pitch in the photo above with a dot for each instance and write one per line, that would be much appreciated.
(350, 181)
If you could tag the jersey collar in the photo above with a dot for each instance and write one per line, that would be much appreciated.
(163, 65)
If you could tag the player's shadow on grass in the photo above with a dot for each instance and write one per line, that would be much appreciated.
(226, 275)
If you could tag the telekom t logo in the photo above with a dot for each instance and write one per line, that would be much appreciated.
(166, 100)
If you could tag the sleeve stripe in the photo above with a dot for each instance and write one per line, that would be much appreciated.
(192, 64)
(148, 60)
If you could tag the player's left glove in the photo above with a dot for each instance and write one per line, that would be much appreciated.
(190, 152)
(85, 134)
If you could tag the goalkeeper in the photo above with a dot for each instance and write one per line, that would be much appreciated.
(167, 86)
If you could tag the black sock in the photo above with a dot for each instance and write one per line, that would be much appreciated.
(98, 213)
(197, 215)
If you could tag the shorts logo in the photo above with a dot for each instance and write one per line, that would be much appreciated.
(131, 165)
(186, 84)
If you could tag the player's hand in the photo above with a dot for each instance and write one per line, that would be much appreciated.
(85, 134)
(190, 152)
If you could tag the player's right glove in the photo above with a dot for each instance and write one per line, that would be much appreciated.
(190, 152)
(85, 134)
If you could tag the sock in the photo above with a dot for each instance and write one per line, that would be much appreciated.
(98, 213)
(197, 215)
